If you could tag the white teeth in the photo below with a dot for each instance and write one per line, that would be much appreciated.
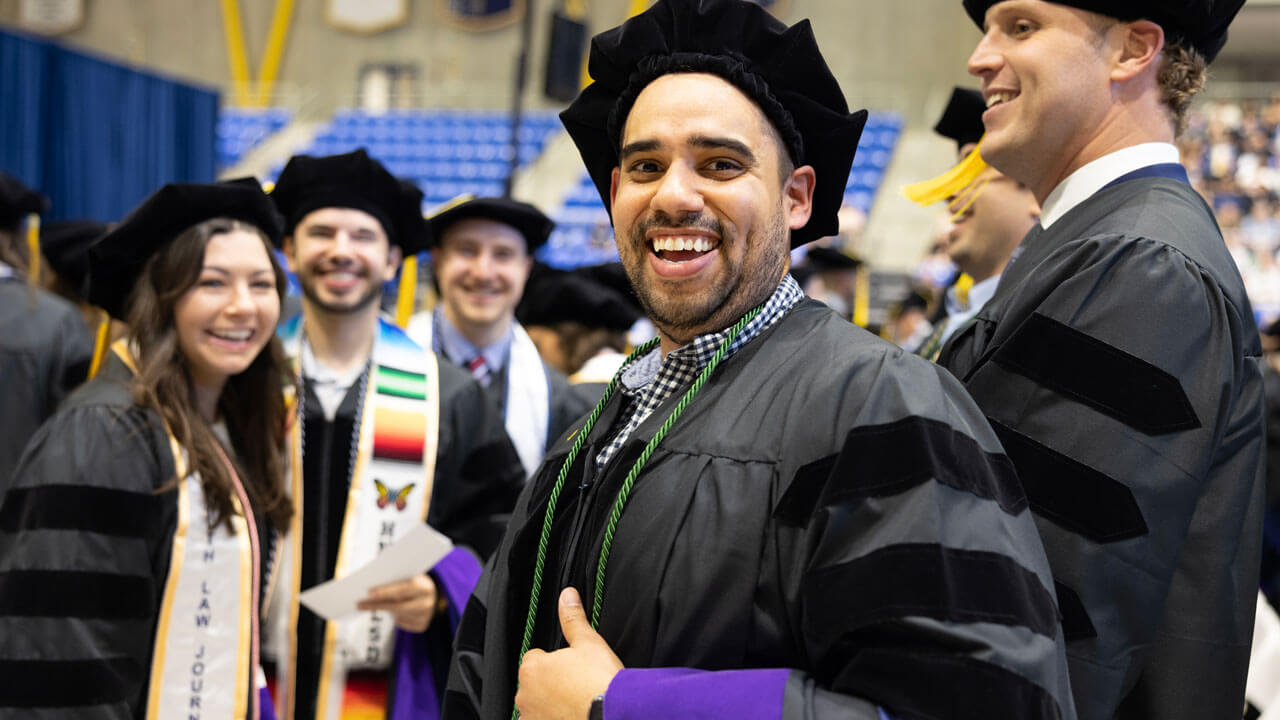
(697, 244)
(234, 335)
(997, 98)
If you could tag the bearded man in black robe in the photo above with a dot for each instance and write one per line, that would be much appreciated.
(772, 513)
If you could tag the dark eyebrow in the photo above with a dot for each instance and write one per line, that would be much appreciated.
(703, 142)
(708, 142)
(640, 146)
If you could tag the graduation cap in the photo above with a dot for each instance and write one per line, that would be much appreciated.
(528, 220)
(116, 261)
(827, 259)
(65, 245)
(612, 275)
(961, 121)
(1200, 24)
(780, 68)
(352, 180)
(962, 118)
(553, 296)
(18, 200)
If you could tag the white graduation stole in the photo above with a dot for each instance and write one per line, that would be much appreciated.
(528, 411)
(390, 493)
(206, 638)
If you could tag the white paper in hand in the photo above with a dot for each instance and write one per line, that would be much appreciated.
(413, 554)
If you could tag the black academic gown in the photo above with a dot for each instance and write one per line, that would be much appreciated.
(827, 507)
(477, 478)
(1120, 366)
(85, 545)
(45, 350)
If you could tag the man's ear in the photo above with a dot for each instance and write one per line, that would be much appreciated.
(797, 196)
(1142, 42)
(394, 256)
(289, 248)
(613, 187)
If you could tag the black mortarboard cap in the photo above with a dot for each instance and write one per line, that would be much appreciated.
(780, 68)
(824, 258)
(352, 180)
(117, 259)
(613, 275)
(553, 296)
(65, 244)
(1201, 24)
(18, 200)
(528, 220)
(962, 119)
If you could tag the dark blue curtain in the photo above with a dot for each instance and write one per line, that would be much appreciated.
(95, 136)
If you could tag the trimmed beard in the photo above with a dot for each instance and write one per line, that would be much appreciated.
(739, 288)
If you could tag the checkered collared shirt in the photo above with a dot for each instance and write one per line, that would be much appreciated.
(651, 379)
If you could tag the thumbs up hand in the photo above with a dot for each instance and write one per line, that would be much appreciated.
(560, 685)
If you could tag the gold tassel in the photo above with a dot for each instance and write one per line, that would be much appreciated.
(967, 196)
(451, 204)
(949, 183)
(963, 285)
(408, 286)
(862, 297)
(100, 345)
(33, 248)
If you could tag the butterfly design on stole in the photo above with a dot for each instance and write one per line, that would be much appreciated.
(386, 495)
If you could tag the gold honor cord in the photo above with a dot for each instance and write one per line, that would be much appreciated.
(580, 439)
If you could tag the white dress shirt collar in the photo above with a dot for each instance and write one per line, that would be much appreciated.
(1081, 184)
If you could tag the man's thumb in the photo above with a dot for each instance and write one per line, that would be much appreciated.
(573, 618)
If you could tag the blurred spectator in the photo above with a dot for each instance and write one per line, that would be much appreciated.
(1232, 154)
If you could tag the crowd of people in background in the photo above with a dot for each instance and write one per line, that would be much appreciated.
(1232, 153)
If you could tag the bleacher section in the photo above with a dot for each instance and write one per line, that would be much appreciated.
(583, 235)
(451, 152)
(240, 129)
(447, 152)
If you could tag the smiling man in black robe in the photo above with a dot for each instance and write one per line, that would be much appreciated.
(772, 514)
(1118, 361)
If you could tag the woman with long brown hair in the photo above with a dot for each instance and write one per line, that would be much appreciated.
(137, 538)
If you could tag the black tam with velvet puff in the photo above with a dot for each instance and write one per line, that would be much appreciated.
(1199, 24)
(119, 257)
(780, 68)
(352, 180)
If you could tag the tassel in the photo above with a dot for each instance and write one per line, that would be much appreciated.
(963, 285)
(928, 192)
(449, 205)
(33, 248)
(862, 297)
(408, 287)
(100, 345)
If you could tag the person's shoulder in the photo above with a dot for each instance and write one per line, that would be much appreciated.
(36, 313)
(1153, 216)
(815, 347)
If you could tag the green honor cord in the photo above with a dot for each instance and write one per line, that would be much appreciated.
(580, 439)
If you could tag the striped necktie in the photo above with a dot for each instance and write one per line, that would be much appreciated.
(479, 370)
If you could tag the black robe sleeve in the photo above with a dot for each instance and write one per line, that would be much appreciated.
(1125, 384)
(84, 552)
(478, 473)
